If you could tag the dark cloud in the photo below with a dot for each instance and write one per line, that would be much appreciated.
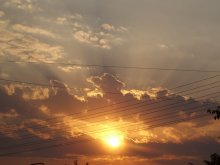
(34, 131)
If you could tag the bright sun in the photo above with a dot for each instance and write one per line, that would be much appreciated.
(113, 141)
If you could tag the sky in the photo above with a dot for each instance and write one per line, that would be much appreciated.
(109, 82)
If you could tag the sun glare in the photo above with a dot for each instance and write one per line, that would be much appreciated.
(113, 141)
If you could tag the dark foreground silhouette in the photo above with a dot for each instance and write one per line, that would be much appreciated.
(215, 160)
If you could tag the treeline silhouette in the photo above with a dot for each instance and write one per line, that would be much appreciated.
(74, 163)
(216, 112)
(214, 158)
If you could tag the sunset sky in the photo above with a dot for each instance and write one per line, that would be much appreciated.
(117, 82)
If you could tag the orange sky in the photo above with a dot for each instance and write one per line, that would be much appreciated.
(120, 82)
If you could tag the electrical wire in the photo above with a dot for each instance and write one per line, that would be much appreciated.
(115, 66)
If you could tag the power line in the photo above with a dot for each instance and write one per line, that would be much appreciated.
(38, 84)
(71, 143)
(148, 120)
(109, 92)
(125, 126)
(115, 66)
(95, 115)
(127, 106)
(117, 103)
(158, 119)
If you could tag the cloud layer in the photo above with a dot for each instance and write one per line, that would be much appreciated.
(62, 104)
(80, 121)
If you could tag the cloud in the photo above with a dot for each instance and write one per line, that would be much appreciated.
(138, 94)
(107, 88)
(70, 19)
(177, 134)
(82, 36)
(163, 46)
(95, 36)
(109, 27)
(15, 44)
(61, 20)
(122, 29)
(42, 134)
(104, 44)
(107, 83)
(24, 5)
(180, 133)
(1, 13)
(89, 38)
(94, 93)
(11, 114)
(29, 48)
(37, 93)
(33, 30)
(70, 69)
(89, 128)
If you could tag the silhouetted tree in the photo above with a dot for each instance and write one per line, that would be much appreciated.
(215, 160)
(216, 112)
(190, 164)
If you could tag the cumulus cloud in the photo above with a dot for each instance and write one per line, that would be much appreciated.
(94, 93)
(104, 36)
(139, 94)
(109, 27)
(69, 69)
(107, 87)
(82, 36)
(18, 45)
(33, 30)
(73, 19)
(92, 39)
(29, 48)
(25, 5)
(40, 133)
(104, 44)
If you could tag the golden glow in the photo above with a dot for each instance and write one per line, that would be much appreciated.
(113, 140)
